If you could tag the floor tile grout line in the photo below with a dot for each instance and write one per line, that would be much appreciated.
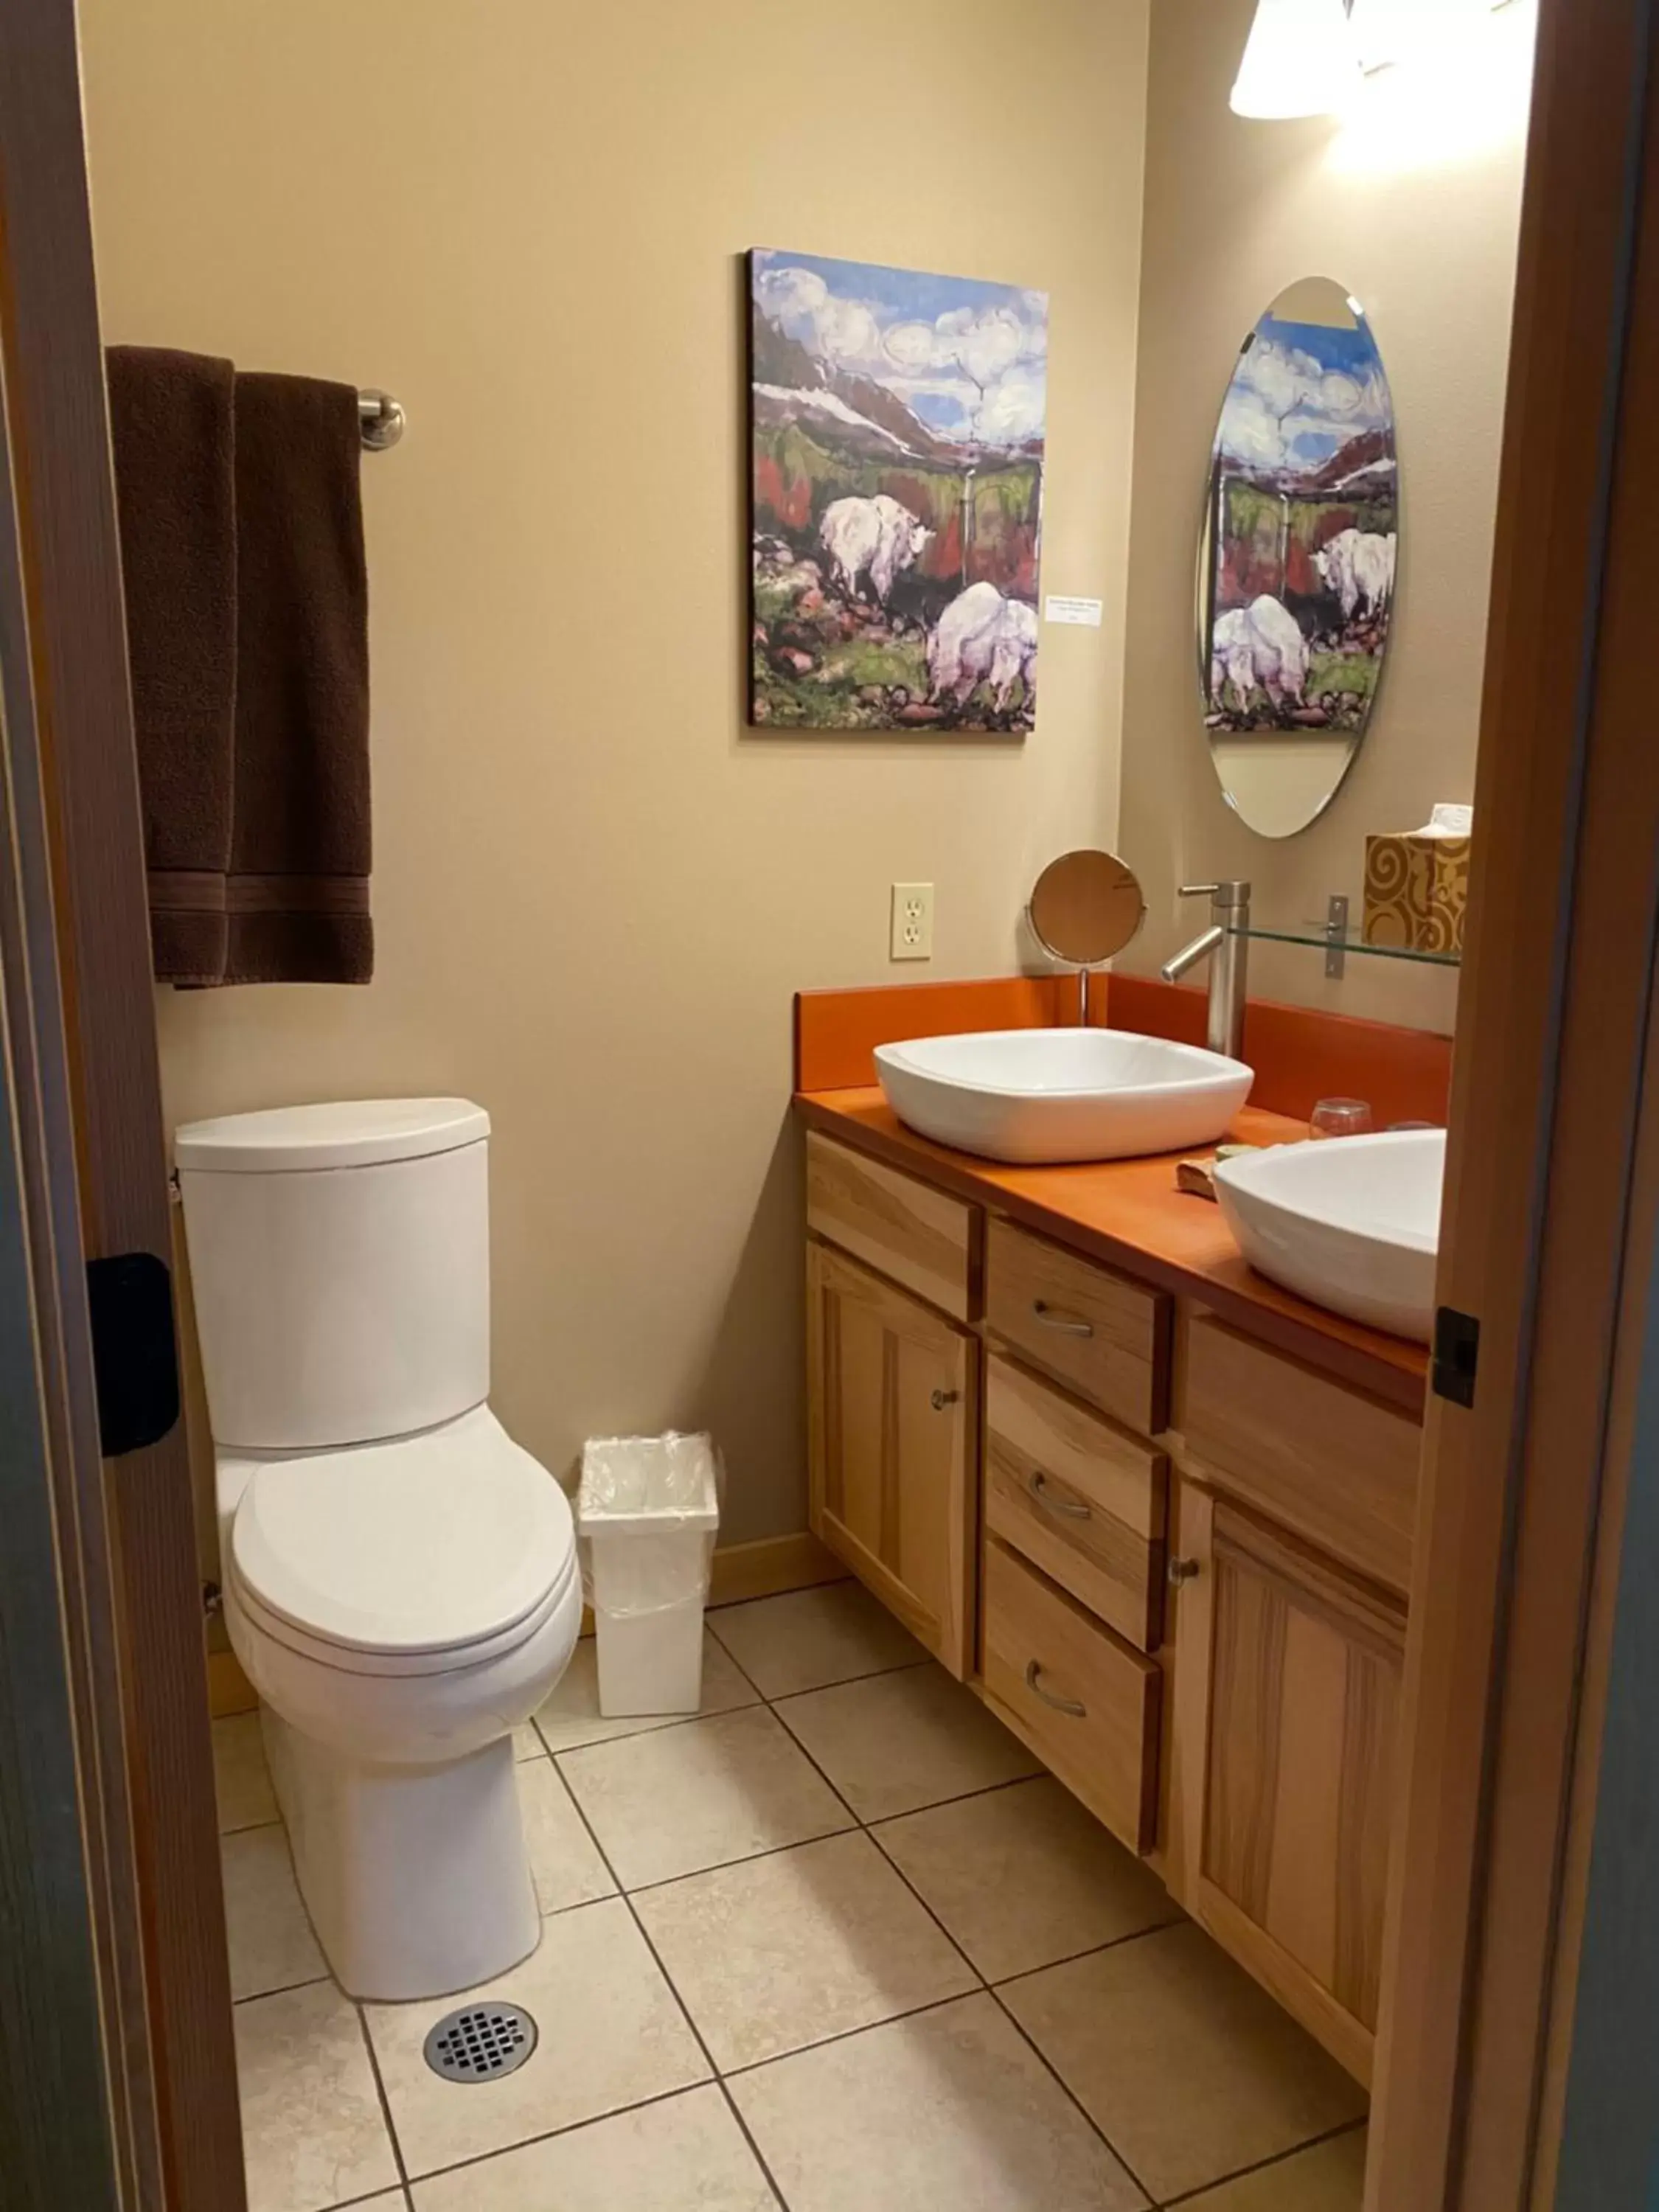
(847, 2034)
(696, 2033)
(354, 2204)
(723, 1866)
(1070, 2094)
(1070, 1958)
(658, 1724)
(287, 1988)
(1264, 2165)
(397, 2158)
(1076, 1958)
(552, 2135)
(879, 1819)
(654, 1724)
(839, 1682)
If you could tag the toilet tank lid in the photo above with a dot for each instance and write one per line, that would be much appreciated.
(354, 1133)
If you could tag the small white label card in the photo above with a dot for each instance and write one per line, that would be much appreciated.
(1059, 608)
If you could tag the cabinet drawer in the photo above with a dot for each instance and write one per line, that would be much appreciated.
(1084, 1501)
(913, 1235)
(1106, 1336)
(1335, 1468)
(1086, 1705)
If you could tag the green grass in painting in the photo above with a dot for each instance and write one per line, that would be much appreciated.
(774, 596)
(1341, 671)
(859, 662)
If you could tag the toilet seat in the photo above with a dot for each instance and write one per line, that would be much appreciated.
(437, 1552)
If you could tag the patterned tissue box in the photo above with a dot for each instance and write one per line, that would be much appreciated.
(1417, 890)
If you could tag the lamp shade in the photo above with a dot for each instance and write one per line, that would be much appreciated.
(1301, 59)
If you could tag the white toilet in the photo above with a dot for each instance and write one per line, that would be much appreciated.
(400, 1579)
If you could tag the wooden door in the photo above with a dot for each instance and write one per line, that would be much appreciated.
(1288, 1673)
(892, 1414)
(86, 1129)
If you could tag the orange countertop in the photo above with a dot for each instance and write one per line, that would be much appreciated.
(1129, 1214)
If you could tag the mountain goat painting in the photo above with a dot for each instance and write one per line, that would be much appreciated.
(897, 439)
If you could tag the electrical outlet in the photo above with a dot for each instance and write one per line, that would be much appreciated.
(913, 922)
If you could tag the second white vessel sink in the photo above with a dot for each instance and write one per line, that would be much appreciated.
(1048, 1096)
(1353, 1223)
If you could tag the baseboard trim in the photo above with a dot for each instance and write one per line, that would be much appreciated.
(767, 1569)
(770, 1567)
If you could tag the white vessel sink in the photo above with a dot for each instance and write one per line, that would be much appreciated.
(1353, 1223)
(1036, 1095)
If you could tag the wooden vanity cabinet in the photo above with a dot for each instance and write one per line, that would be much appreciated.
(1019, 1449)
(892, 1447)
(1288, 1670)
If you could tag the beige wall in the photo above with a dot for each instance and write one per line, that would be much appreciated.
(1414, 206)
(594, 893)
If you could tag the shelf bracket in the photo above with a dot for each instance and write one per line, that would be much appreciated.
(1336, 939)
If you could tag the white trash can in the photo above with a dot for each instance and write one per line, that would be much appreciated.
(646, 1512)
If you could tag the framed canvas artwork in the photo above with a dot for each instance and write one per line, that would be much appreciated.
(897, 447)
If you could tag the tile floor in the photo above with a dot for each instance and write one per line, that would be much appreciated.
(835, 1945)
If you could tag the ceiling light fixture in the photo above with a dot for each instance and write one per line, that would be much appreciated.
(1387, 32)
(1301, 59)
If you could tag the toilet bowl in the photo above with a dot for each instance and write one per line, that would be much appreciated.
(401, 1595)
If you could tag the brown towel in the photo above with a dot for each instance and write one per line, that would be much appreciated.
(170, 419)
(298, 882)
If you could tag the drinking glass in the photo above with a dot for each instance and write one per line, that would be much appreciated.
(1340, 1117)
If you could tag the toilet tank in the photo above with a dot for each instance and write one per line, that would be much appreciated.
(339, 1257)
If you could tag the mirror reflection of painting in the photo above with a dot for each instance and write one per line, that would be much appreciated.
(1298, 576)
(896, 437)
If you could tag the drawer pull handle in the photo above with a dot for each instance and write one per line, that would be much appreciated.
(941, 1399)
(1038, 1486)
(1067, 1324)
(1183, 1571)
(1069, 1706)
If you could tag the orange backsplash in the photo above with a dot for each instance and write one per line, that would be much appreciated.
(1300, 1055)
(837, 1032)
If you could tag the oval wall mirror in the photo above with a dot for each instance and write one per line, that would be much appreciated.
(1296, 569)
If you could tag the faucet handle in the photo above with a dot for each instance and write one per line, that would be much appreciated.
(1198, 890)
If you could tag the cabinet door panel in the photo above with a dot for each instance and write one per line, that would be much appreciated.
(891, 1441)
(1288, 1673)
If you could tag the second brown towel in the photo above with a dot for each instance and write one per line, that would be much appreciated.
(297, 886)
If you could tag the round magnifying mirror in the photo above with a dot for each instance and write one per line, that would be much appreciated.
(1295, 571)
(1087, 906)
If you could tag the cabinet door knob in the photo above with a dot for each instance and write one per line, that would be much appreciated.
(1069, 1706)
(1183, 1571)
(943, 1398)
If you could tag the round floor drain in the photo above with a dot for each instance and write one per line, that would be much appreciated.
(480, 2043)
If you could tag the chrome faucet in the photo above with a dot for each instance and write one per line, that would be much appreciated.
(1227, 945)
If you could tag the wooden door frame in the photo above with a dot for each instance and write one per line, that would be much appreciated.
(81, 969)
(1549, 1220)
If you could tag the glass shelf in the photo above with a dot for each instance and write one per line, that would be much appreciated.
(1322, 941)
